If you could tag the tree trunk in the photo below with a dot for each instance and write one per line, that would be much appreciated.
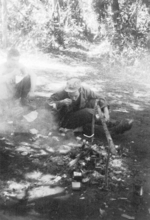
(138, 3)
(4, 23)
(115, 11)
(56, 8)
(55, 3)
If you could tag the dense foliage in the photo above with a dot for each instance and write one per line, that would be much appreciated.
(47, 24)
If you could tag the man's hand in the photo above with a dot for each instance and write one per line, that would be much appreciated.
(53, 105)
(66, 102)
(31, 95)
(106, 114)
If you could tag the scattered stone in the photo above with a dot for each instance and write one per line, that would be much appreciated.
(55, 138)
(85, 180)
(102, 212)
(64, 149)
(78, 138)
(25, 153)
(63, 134)
(33, 131)
(10, 122)
(42, 136)
(141, 191)
(97, 175)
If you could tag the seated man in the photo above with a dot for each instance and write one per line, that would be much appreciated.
(74, 108)
(10, 89)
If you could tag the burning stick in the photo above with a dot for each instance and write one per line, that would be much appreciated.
(111, 146)
(93, 120)
(106, 168)
(74, 162)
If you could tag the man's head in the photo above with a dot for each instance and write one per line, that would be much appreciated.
(13, 56)
(72, 88)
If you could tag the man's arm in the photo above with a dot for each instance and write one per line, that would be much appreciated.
(93, 95)
(58, 99)
(106, 114)
(33, 79)
(5, 75)
(102, 102)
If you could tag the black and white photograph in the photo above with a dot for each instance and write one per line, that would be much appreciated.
(74, 109)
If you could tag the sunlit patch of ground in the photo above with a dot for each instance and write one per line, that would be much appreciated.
(136, 107)
(36, 185)
(56, 68)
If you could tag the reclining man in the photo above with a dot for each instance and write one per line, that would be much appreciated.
(10, 89)
(74, 108)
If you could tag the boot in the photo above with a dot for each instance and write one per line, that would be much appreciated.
(114, 127)
(123, 126)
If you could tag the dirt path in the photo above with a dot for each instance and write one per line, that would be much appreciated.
(129, 98)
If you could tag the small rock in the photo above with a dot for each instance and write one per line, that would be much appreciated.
(127, 216)
(102, 212)
(33, 131)
(85, 180)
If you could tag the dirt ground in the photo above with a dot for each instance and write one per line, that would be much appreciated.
(23, 161)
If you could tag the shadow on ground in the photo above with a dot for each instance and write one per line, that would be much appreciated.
(41, 160)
